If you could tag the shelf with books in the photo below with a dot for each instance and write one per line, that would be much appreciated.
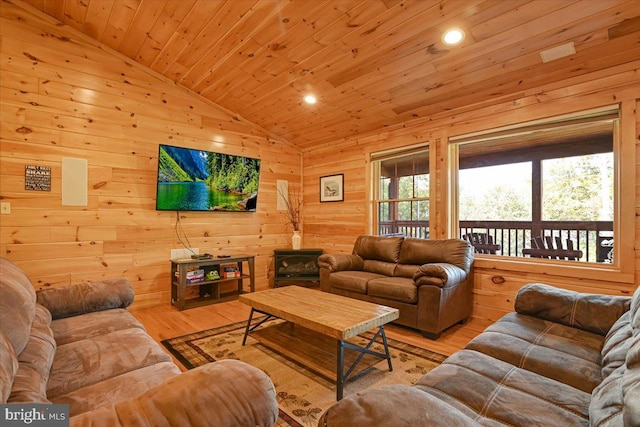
(197, 282)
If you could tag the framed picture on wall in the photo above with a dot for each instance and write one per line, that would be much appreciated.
(332, 188)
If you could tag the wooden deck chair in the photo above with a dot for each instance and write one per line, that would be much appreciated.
(482, 243)
(552, 248)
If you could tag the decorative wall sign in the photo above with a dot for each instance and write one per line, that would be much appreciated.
(37, 178)
(331, 188)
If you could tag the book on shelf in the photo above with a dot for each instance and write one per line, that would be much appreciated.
(195, 276)
(231, 272)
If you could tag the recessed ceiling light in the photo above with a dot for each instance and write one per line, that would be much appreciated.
(453, 36)
(310, 99)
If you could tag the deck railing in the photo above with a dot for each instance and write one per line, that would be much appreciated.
(419, 229)
(593, 238)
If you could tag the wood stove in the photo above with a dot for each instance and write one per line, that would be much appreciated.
(293, 266)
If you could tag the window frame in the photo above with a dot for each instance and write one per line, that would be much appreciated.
(375, 159)
(622, 269)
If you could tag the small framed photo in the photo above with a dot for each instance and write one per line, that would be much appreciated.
(332, 188)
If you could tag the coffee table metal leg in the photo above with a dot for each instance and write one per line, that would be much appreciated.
(386, 347)
(250, 328)
(246, 331)
(340, 371)
(341, 376)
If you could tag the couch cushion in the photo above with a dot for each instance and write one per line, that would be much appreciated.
(379, 267)
(606, 404)
(394, 406)
(87, 297)
(86, 362)
(494, 392)
(424, 251)
(17, 304)
(227, 393)
(393, 288)
(631, 382)
(439, 274)
(8, 366)
(591, 312)
(354, 281)
(616, 345)
(70, 329)
(568, 355)
(634, 308)
(30, 384)
(616, 401)
(405, 270)
(378, 248)
(117, 389)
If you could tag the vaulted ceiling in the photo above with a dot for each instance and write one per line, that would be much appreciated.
(370, 63)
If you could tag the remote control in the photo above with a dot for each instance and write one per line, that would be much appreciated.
(203, 256)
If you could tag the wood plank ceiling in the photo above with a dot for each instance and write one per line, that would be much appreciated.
(371, 63)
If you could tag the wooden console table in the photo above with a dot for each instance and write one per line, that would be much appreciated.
(208, 288)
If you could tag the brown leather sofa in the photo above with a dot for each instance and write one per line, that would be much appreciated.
(78, 345)
(429, 281)
(561, 359)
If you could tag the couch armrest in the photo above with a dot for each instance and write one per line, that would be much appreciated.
(340, 262)
(67, 301)
(439, 274)
(394, 406)
(590, 312)
(227, 393)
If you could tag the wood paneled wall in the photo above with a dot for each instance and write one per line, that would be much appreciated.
(64, 95)
(334, 226)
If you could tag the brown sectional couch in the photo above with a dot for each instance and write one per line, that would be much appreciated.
(430, 281)
(78, 345)
(561, 359)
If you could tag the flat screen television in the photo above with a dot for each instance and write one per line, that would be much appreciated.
(198, 180)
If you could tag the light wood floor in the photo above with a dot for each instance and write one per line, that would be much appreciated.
(166, 321)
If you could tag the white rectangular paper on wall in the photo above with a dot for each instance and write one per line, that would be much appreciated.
(74, 182)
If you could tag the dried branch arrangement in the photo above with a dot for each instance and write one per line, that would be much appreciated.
(293, 204)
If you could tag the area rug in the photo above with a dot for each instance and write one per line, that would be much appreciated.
(302, 394)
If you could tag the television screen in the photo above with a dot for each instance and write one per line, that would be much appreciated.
(197, 180)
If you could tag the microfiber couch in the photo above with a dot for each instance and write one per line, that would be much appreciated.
(430, 281)
(97, 358)
(561, 359)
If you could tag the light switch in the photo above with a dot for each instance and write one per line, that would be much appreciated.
(5, 208)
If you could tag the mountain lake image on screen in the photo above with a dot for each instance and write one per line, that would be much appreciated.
(198, 180)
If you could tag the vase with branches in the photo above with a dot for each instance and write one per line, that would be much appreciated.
(293, 213)
(293, 207)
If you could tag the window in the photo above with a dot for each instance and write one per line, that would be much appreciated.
(578, 188)
(401, 193)
(485, 194)
(543, 190)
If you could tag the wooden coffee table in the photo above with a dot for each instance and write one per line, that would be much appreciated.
(318, 325)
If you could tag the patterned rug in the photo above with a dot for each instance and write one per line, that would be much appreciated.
(302, 395)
